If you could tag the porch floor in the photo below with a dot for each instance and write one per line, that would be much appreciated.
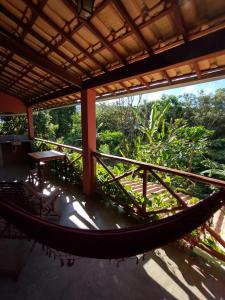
(166, 273)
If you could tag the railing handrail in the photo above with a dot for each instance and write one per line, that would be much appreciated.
(144, 165)
(76, 149)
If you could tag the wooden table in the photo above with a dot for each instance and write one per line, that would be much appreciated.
(43, 156)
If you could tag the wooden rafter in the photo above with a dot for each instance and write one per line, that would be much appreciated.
(206, 46)
(122, 10)
(179, 20)
(25, 90)
(27, 29)
(30, 23)
(16, 89)
(11, 71)
(27, 83)
(143, 81)
(9, 42)
(51, 48)
(145, 24)
(54, 95)
(109, 46)
(66, 36)
(6, 76)
(197, 69)
(161, 84)
(166, 76)
(46, 78)
(27, 76)
(91, 27)
(3, 89)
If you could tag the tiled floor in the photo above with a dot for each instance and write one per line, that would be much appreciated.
(165, 273)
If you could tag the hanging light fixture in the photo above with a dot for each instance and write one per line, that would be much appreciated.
(84, 8)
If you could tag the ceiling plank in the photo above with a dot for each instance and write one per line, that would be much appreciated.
(109, 46)
(65, 35)
(122, 10)
(91, 27)
(30, 23)
(32, 71)
(9, 42)
(54, 95)
(51, 48)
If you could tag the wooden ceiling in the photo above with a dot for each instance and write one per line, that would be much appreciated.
(48, 54)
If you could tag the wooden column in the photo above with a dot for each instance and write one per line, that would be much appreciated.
(30, 123)
(88, 122)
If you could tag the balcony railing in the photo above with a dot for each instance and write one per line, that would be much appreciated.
(73, 158)
(138, 202)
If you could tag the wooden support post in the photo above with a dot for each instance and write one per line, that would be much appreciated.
(30, 123)
(88, 121)
(145, 181)
(144, 188)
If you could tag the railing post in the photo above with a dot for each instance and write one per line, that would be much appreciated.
(145, 173)
(144, 190)
(88, 120)
(30, 122)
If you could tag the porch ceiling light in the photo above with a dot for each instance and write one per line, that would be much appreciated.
(84, 8)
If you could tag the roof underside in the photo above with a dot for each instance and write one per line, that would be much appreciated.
(48, 54)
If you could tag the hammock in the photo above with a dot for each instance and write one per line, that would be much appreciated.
(115, 243)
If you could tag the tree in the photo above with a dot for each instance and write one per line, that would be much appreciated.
(44, 127)
(13, 125)
(63, 117)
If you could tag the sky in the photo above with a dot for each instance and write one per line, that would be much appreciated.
(208, 87)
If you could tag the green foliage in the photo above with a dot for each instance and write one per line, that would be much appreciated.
(44, 127)
(13, 125)
(108, 141)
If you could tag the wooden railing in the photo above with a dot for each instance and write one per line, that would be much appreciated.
(147, 169)
(69, 149)
(60, 146)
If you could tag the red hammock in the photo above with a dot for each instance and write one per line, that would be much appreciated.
(115, 243)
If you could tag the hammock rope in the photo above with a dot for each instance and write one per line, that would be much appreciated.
(114, 243)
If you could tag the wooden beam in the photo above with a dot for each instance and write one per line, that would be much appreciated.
(51, 48)
(54, 95)
(166, 76)
(176, 82)
(9, 42)
(122, 10)
(197, 70)
(32, 20)
(26, 68)
(64, 34)
(179, 20)
(205, 46)
(107, 44)
(11, 68)
(91, 27)
(25, 79)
